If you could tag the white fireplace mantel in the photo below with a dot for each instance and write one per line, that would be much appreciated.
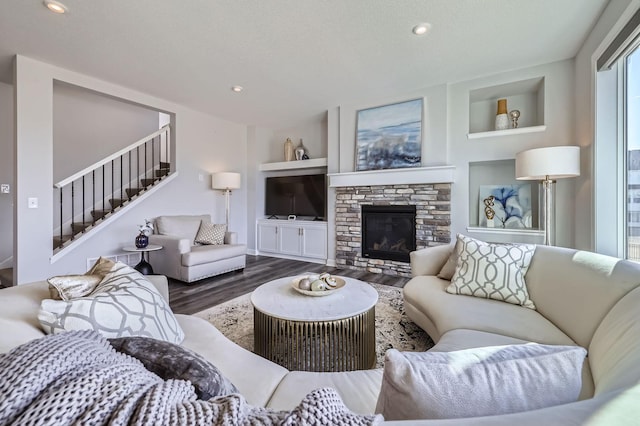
(415, 175)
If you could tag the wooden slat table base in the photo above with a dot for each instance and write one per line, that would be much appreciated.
(340, 345)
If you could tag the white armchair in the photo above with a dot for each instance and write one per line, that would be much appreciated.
(182, 259)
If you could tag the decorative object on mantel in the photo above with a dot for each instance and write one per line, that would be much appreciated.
(502, 118)
(505, 206)
(288, 150)
(226, 181)
(515, 114)
(142, 240)
(301, 152)
(389, 136)
(546, 165)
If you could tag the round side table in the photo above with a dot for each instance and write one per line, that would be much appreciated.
(143, 266)
(331, 333)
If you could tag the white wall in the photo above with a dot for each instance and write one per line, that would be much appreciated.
(205, 144)
(261, 145)
(313, 132)
(445, 141)
(6, 174)
(559, 118)
(434, 147)
(88, 127)
(267, 146)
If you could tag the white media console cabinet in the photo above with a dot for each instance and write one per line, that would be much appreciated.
(293, 239)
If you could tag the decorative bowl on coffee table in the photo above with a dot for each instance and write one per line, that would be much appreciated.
(340, 283)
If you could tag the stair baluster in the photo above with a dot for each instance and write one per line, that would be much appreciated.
(150, 174)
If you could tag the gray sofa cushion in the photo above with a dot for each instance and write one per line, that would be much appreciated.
(212, 253)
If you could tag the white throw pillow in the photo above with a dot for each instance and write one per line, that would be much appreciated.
(492, 271)
(124, 304)
(211, 233)
(479, 382)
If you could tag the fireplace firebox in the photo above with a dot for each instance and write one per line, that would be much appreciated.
(388, 232)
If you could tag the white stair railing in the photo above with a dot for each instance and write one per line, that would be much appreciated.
(98, 191)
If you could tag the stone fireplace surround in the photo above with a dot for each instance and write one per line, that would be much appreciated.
(433, 220)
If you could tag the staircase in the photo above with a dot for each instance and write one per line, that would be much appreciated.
(101, 190)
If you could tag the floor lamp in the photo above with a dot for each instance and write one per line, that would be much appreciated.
(226, 181)
(547, 165)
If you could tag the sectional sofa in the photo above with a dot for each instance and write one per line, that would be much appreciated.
(581, 298)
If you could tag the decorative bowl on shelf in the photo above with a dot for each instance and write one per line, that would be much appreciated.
(317, 285)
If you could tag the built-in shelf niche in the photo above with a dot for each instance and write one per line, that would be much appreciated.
(500, 172)
(527, 96)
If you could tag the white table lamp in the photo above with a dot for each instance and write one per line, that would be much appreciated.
(547, 165)
(226, 181)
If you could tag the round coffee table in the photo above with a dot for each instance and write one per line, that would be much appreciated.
(330, 333)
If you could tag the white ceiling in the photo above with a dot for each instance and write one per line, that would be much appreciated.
(295, 58)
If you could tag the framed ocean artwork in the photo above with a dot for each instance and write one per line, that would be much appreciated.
(389, 136)
(505, 206)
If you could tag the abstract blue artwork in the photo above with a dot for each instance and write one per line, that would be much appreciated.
(505, 206)
(389, 136)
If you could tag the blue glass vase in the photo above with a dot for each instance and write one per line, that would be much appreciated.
(142, 241)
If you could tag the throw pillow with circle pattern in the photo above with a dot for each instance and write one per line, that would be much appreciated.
(492, 271)
(211, 234)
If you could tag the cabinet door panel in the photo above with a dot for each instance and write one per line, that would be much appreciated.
(267, 238)
(289, 238)
(314, 242)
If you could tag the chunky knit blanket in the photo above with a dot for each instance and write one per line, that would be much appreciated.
(78, 378)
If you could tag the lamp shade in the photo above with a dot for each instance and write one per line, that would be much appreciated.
(225, 180)
(554, 162)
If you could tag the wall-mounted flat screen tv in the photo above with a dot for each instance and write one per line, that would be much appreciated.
(296, 195)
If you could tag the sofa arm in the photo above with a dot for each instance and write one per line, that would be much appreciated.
(160, 282)
(231, 238)
(171, 244)
(430, 260)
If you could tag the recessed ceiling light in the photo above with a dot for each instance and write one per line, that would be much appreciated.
(237, 89)
(421, 29)
(55, 6)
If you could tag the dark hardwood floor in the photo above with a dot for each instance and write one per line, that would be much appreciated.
(195, 297)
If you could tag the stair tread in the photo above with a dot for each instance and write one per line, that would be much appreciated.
(98, 215)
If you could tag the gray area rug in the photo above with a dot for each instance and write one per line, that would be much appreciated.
(393, 328)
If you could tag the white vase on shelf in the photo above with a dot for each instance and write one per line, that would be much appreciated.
(288, 150)
(502, 117)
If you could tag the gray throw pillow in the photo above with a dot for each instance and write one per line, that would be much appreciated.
(479, 382)
(170, 361)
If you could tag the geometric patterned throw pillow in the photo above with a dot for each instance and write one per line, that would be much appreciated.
(492, 271)
(211, 234)
(125, 303)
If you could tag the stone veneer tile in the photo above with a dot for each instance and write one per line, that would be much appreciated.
(433, 221)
